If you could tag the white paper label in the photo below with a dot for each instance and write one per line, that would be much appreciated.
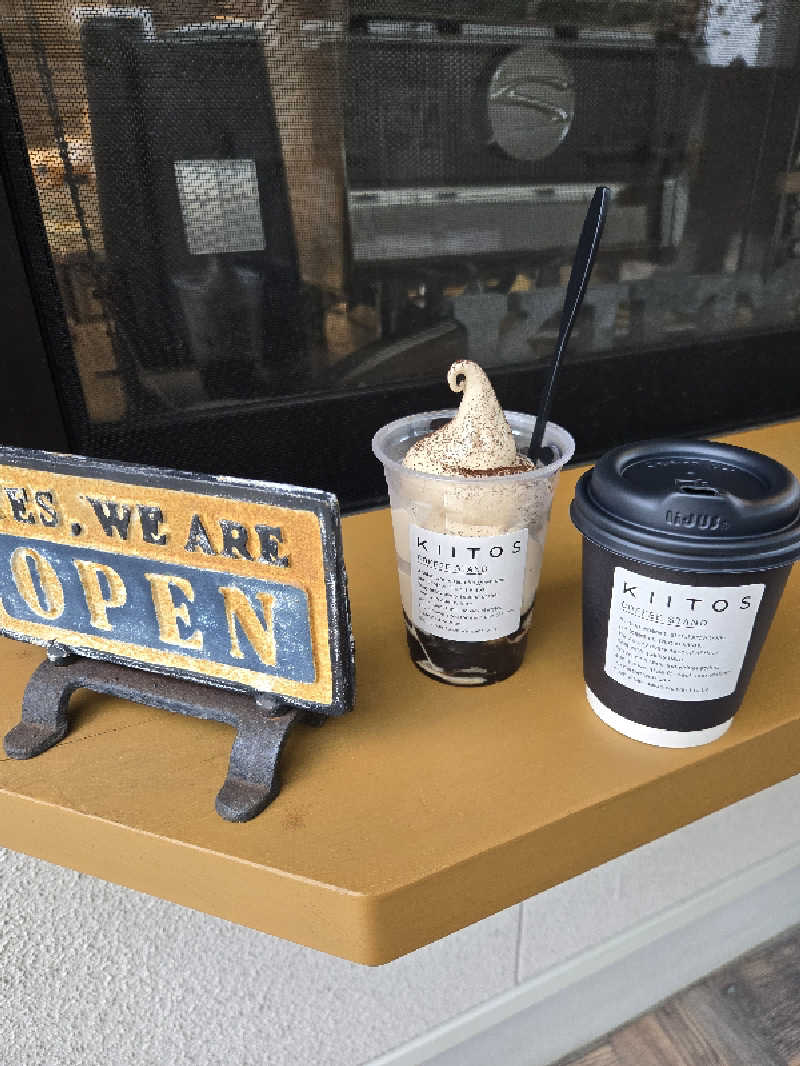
(678, 642)
(467, 588)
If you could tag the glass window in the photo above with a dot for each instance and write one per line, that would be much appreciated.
(254, 206)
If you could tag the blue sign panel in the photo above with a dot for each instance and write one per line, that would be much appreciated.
(209, 615)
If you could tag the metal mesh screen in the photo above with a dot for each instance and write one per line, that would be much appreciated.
(247, 201)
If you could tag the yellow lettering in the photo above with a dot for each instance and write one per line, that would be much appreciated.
(168, 612)
(239, 609)
(98, 604)
(48, 579)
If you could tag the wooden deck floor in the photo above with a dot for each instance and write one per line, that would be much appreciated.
(746, 1014)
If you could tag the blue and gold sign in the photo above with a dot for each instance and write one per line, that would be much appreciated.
(230, 582)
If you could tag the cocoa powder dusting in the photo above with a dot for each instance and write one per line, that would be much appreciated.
(494, 471)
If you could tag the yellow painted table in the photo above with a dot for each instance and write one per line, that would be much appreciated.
(427, 807)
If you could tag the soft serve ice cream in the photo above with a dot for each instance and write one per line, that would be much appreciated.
(477, 441)
(470, 514)
(475, 445)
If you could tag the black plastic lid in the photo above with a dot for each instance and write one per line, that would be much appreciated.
(691, 505)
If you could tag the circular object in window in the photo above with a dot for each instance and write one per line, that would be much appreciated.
(531, 102)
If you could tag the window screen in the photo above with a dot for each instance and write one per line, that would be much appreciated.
(247, 202)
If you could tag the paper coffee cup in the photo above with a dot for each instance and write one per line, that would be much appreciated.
(687, 546)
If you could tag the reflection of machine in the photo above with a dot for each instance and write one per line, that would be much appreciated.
(199, 249)
(473, 146)
(473, 139)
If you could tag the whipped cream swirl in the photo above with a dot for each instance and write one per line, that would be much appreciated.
(478, 441)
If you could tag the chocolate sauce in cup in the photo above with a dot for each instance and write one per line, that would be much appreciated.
(687, 546)
(469, 549)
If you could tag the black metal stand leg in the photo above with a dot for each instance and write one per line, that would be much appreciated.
(44, 713)
(262, 723)
(252, 782)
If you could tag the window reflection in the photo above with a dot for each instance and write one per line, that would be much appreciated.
(244, 204)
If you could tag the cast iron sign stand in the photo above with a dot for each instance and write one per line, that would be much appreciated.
(216, 598)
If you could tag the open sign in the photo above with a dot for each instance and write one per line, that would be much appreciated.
(231, 582)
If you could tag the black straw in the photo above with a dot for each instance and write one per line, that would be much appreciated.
(578, 281)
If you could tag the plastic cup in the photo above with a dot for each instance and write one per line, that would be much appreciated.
(469, 551)
(687, 546)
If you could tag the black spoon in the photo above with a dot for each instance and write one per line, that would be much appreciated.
(578, 281)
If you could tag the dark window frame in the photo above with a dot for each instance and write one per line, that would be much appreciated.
(31, 412)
